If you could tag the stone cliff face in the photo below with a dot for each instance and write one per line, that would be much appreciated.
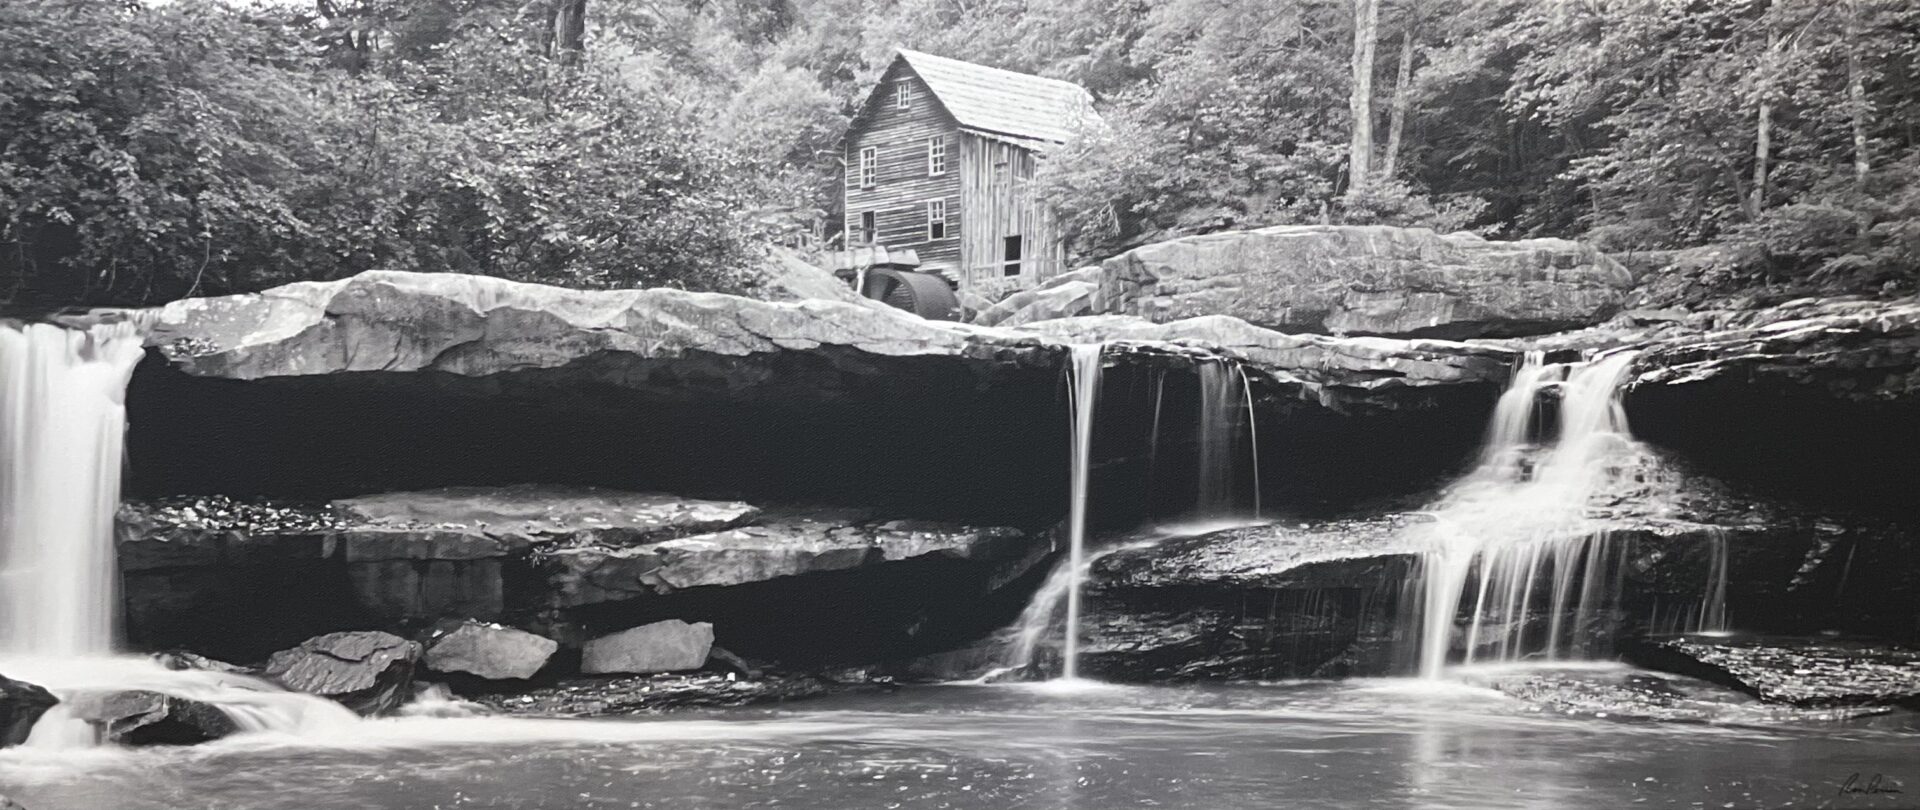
(410, 412)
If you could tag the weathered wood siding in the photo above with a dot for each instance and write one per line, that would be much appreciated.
(903, 186)
(997, 201)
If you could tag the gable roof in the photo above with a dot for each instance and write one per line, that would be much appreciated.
(1002, 102)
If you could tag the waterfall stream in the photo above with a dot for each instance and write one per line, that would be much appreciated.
(62, 427)
(1085, 371)
(1518, 526)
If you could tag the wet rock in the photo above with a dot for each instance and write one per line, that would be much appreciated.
(664, 646)
(598, 697)
(1368, 280)
(183, 660)
(369, 672)
(151, 718)
(1811, 672)
(21, 705)
(489, 651)
(9, 804)
(782, 544)
(1621, 693)
(1339, 373)
(586, 514)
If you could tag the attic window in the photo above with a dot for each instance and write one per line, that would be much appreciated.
(903, 94)
(869, 166)
(936, 155)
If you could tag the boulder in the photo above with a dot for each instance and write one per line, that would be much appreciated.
(791, 277)
(1370, 280)
(785, 543)
(1806, 672)
(664, 646)
(150, 718)
(369, 672)
(473, 326)
(179, 660)
(648, 694)
(21, 705)
(1063, 296)
(489, 651)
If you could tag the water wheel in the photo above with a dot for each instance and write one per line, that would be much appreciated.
(923, 294)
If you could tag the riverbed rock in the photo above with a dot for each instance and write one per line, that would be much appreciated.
(651, 694)
(140, 717)
(369, 672)
(21, 705)
(1810, 672)
(664, 646)
(1370, 279)
(489, 651)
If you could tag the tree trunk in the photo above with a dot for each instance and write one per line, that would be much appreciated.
(1366, 24)
(569, 30)
(1763, 127)
(1402, 93)
(1857, 105)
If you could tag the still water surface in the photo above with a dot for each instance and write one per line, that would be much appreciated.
(1389, 744)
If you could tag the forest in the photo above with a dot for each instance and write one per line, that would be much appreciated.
(153, 150)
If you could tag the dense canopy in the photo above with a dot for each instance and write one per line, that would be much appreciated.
(154, 150)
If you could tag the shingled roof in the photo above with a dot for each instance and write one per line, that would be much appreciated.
(1002, 102)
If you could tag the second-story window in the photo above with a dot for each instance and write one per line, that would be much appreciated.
(903, 94)
(936, 219)
(937, 155)
(869, 167)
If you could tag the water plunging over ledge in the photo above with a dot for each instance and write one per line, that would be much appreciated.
(62, 423)
(1518, 524)
(1085, 378)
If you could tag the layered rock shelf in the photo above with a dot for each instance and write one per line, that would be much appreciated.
(238, 580)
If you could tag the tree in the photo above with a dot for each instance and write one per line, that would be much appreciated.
(1366, 34)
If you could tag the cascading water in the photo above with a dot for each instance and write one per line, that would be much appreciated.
(1226, 395)
(62, 422)
(1520, 520)
(1085, 371)
(62, 425)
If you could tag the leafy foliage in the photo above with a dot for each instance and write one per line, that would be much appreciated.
(153, 150)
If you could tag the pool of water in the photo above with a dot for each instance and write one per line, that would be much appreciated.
(1351, 744)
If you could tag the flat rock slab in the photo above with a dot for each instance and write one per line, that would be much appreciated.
(368, 671)
(1809, 672)
(649, 694)
(786, 543)
(529, 509)
(1629, 694)
(664, 646)
(490, 651)
(1334, 371)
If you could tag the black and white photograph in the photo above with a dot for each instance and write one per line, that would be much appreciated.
(959, 404)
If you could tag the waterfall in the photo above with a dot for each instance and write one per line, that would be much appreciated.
(1226, 395)
(1518, 524)
(62, 422)
(62, 428)
(1085, 380)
